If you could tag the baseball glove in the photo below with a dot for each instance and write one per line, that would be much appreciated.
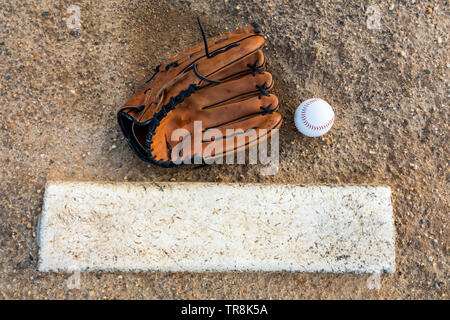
(208, 102)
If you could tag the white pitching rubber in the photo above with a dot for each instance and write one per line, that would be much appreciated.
(216, 227)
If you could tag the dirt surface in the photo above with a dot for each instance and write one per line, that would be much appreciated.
(60, 91)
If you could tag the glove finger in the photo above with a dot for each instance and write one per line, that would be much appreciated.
(225, 139)
(232, 68)
(229, 91)
(257, 129)
(233, 113)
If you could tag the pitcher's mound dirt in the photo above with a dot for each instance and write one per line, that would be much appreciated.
(61, 91)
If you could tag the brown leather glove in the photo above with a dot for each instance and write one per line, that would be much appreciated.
(200, 104)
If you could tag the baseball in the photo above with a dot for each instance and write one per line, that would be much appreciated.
(314, 117)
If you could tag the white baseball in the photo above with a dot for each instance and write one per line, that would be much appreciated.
(314, 117)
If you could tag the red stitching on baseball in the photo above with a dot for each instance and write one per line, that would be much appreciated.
(310, 126)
